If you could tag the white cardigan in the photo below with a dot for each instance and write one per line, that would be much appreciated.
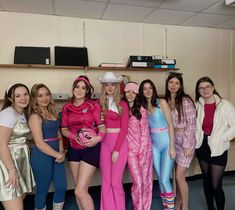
(223, 126)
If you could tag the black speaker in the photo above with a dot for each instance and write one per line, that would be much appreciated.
(71, 56)
(32, 55)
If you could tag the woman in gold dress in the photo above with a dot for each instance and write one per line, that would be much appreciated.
(16, 177)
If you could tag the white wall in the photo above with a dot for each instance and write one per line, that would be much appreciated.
(199, 51)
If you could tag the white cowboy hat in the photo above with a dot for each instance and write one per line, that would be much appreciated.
(110, 77)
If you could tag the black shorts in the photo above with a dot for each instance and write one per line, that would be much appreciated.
(204, 153)
(90, 155)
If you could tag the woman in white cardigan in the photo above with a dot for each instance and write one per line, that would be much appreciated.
(215, 128)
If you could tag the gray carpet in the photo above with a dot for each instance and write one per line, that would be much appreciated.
(196, 199)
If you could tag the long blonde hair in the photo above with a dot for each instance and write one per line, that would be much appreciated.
(35, 108)
(116, 99)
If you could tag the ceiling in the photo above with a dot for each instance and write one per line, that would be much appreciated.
(199, 13)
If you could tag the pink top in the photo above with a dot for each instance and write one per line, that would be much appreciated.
(188, 123)
(87, 115)
(138, 136)
(114, 120)
(207, 124)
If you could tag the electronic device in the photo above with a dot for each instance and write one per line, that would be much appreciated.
(71, 56)
(32, 55)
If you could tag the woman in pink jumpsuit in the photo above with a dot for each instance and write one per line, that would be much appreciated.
(139, 159)
(113, 155)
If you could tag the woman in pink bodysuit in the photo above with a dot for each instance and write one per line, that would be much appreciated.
(113, 155)
(139, 160)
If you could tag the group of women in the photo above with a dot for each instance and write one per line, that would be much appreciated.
(141, 129)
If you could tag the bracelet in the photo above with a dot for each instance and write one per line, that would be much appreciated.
(11, 168)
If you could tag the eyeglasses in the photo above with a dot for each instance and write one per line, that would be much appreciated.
(208, 87)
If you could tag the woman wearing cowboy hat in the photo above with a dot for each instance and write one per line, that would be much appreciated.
(113, 154)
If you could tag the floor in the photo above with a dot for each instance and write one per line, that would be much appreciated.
(196, 202)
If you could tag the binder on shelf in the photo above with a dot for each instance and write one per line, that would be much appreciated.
(161, 66)
(138, 64)
(138, 58)
(164, 61)
(112, 65)
(32, 55)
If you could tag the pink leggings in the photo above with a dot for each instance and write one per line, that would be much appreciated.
(112, 192)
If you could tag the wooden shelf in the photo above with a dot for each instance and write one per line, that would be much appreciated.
(34, 66)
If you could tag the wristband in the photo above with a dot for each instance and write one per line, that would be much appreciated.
(72, 136)
(101, 135)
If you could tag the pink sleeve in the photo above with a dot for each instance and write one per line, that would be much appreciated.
(98, 115)
(64, 117)
(145, 137)
(190, 117)
(123, 127)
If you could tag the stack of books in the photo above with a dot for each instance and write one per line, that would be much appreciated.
(151, 62)
(163, 63)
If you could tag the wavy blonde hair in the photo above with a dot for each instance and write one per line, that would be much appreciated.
(116, 99)
(35, 108)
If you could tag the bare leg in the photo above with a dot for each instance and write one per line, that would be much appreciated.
(14, 204)
(178, 200)
(85, 175)
(182, 186)
(74, 166)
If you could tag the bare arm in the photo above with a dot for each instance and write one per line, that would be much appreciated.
(61, 146)
(5, 155)
(35, 124)
(167, 112)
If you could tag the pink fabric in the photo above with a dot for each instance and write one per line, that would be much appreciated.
(158, 130)
(51, 139)
(186, 138)
(82, 79)
(114, 120)
(132, 86)
(140, 162)
(188, 123)
(112, 192)
(101, 134)
(76, 117)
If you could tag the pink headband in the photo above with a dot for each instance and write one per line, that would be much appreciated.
(131, 86)
(83, 79)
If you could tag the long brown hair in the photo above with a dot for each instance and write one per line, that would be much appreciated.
(89, 87)
(179, 95)
(9, 97)
(35, 108)
(154, 100)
